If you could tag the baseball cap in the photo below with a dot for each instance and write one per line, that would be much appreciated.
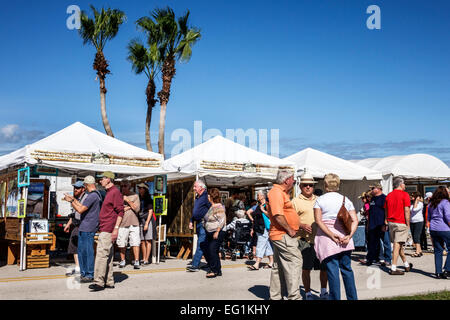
(142, 185)
(376, 185)
(78, 184)
(108, 174)
(89, 180)
(428, 195)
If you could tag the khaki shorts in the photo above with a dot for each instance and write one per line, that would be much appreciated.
(131, 233)
(398, 232)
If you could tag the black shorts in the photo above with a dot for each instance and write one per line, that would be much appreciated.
(73, 242)
(310, 261)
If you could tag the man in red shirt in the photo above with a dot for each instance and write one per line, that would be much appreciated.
(397, 219)
(110, 217)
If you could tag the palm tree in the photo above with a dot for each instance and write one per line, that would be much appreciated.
(97, 32)
(176, 41)
(146, 60)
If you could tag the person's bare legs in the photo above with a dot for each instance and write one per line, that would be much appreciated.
(323, 279)
(258, 261)
(148, 245)
(395, 253)
(75, 257)
(306, 278)
(402, 253)
(122, 253)
(418, 248)
(271, 261)
(144, 250)
(136, 253)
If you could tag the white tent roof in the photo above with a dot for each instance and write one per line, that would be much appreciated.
(81, 148)
(413, 166)
(221, 161)
(320, 163)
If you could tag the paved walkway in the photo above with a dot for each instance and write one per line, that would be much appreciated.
(169, 280)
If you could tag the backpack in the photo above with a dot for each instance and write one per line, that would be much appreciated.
(101, 196)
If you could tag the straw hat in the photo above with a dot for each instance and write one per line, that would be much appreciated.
(142, 185)
(307, 178)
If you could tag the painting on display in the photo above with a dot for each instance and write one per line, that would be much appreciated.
(12, 198)
(224, 195)
(23, 176)
(160, 184)
(2, 198)
(159, 205)
(431, 188)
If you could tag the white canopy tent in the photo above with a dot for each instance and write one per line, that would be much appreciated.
(79, 148)
(222, 162)
(416, 167)
(355, 179)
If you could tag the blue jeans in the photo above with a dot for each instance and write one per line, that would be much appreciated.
(86, 254)
(385, 249)
(200, 230)
(340, 261)
(440, 238)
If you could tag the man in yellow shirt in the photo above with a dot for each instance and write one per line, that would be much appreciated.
(303, 205)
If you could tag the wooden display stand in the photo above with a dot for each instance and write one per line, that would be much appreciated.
(37, 250)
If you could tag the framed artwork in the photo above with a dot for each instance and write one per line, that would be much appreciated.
(23, 177)
(411, 188)
(224, 195)
(21, 208)
(432, 188)
(160, 184)
(11, 198)
(159, 205)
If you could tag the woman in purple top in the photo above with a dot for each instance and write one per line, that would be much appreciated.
(439, 218)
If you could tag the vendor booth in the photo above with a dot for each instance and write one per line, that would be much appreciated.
(355, 179)
(220, 163)
(54, 164)
(422, 172)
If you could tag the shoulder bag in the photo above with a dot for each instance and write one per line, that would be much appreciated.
(345, 218)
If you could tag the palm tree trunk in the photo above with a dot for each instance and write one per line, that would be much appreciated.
(162, 127)
(103, 108)
(168, 72)
(150, 92)
(101, 66)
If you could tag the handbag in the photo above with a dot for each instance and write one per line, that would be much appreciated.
(345, 218)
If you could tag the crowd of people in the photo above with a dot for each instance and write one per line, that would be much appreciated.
(312, 231)
(308, 232)
(120, 216)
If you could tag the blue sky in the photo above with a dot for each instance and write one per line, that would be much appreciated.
(311, 69)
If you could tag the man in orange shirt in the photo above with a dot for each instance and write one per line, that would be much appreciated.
(284, 225)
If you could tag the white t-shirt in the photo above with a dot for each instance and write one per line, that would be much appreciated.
(330, 203)
(416, 214)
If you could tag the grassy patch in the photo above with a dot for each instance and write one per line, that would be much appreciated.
(440, 295)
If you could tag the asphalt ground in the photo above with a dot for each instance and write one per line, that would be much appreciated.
(169, 281)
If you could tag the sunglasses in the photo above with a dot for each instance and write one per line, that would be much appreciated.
(307, 185)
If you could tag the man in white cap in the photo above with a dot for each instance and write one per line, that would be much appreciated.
(304, 206)
(89, 209)
(79, 193)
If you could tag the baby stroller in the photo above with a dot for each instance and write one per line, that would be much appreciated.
(236, 240)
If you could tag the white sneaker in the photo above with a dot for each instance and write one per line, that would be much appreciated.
(324, 296)
(122, 264)
(136, 264)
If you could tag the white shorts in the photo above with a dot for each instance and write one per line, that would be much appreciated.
(132, 233)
